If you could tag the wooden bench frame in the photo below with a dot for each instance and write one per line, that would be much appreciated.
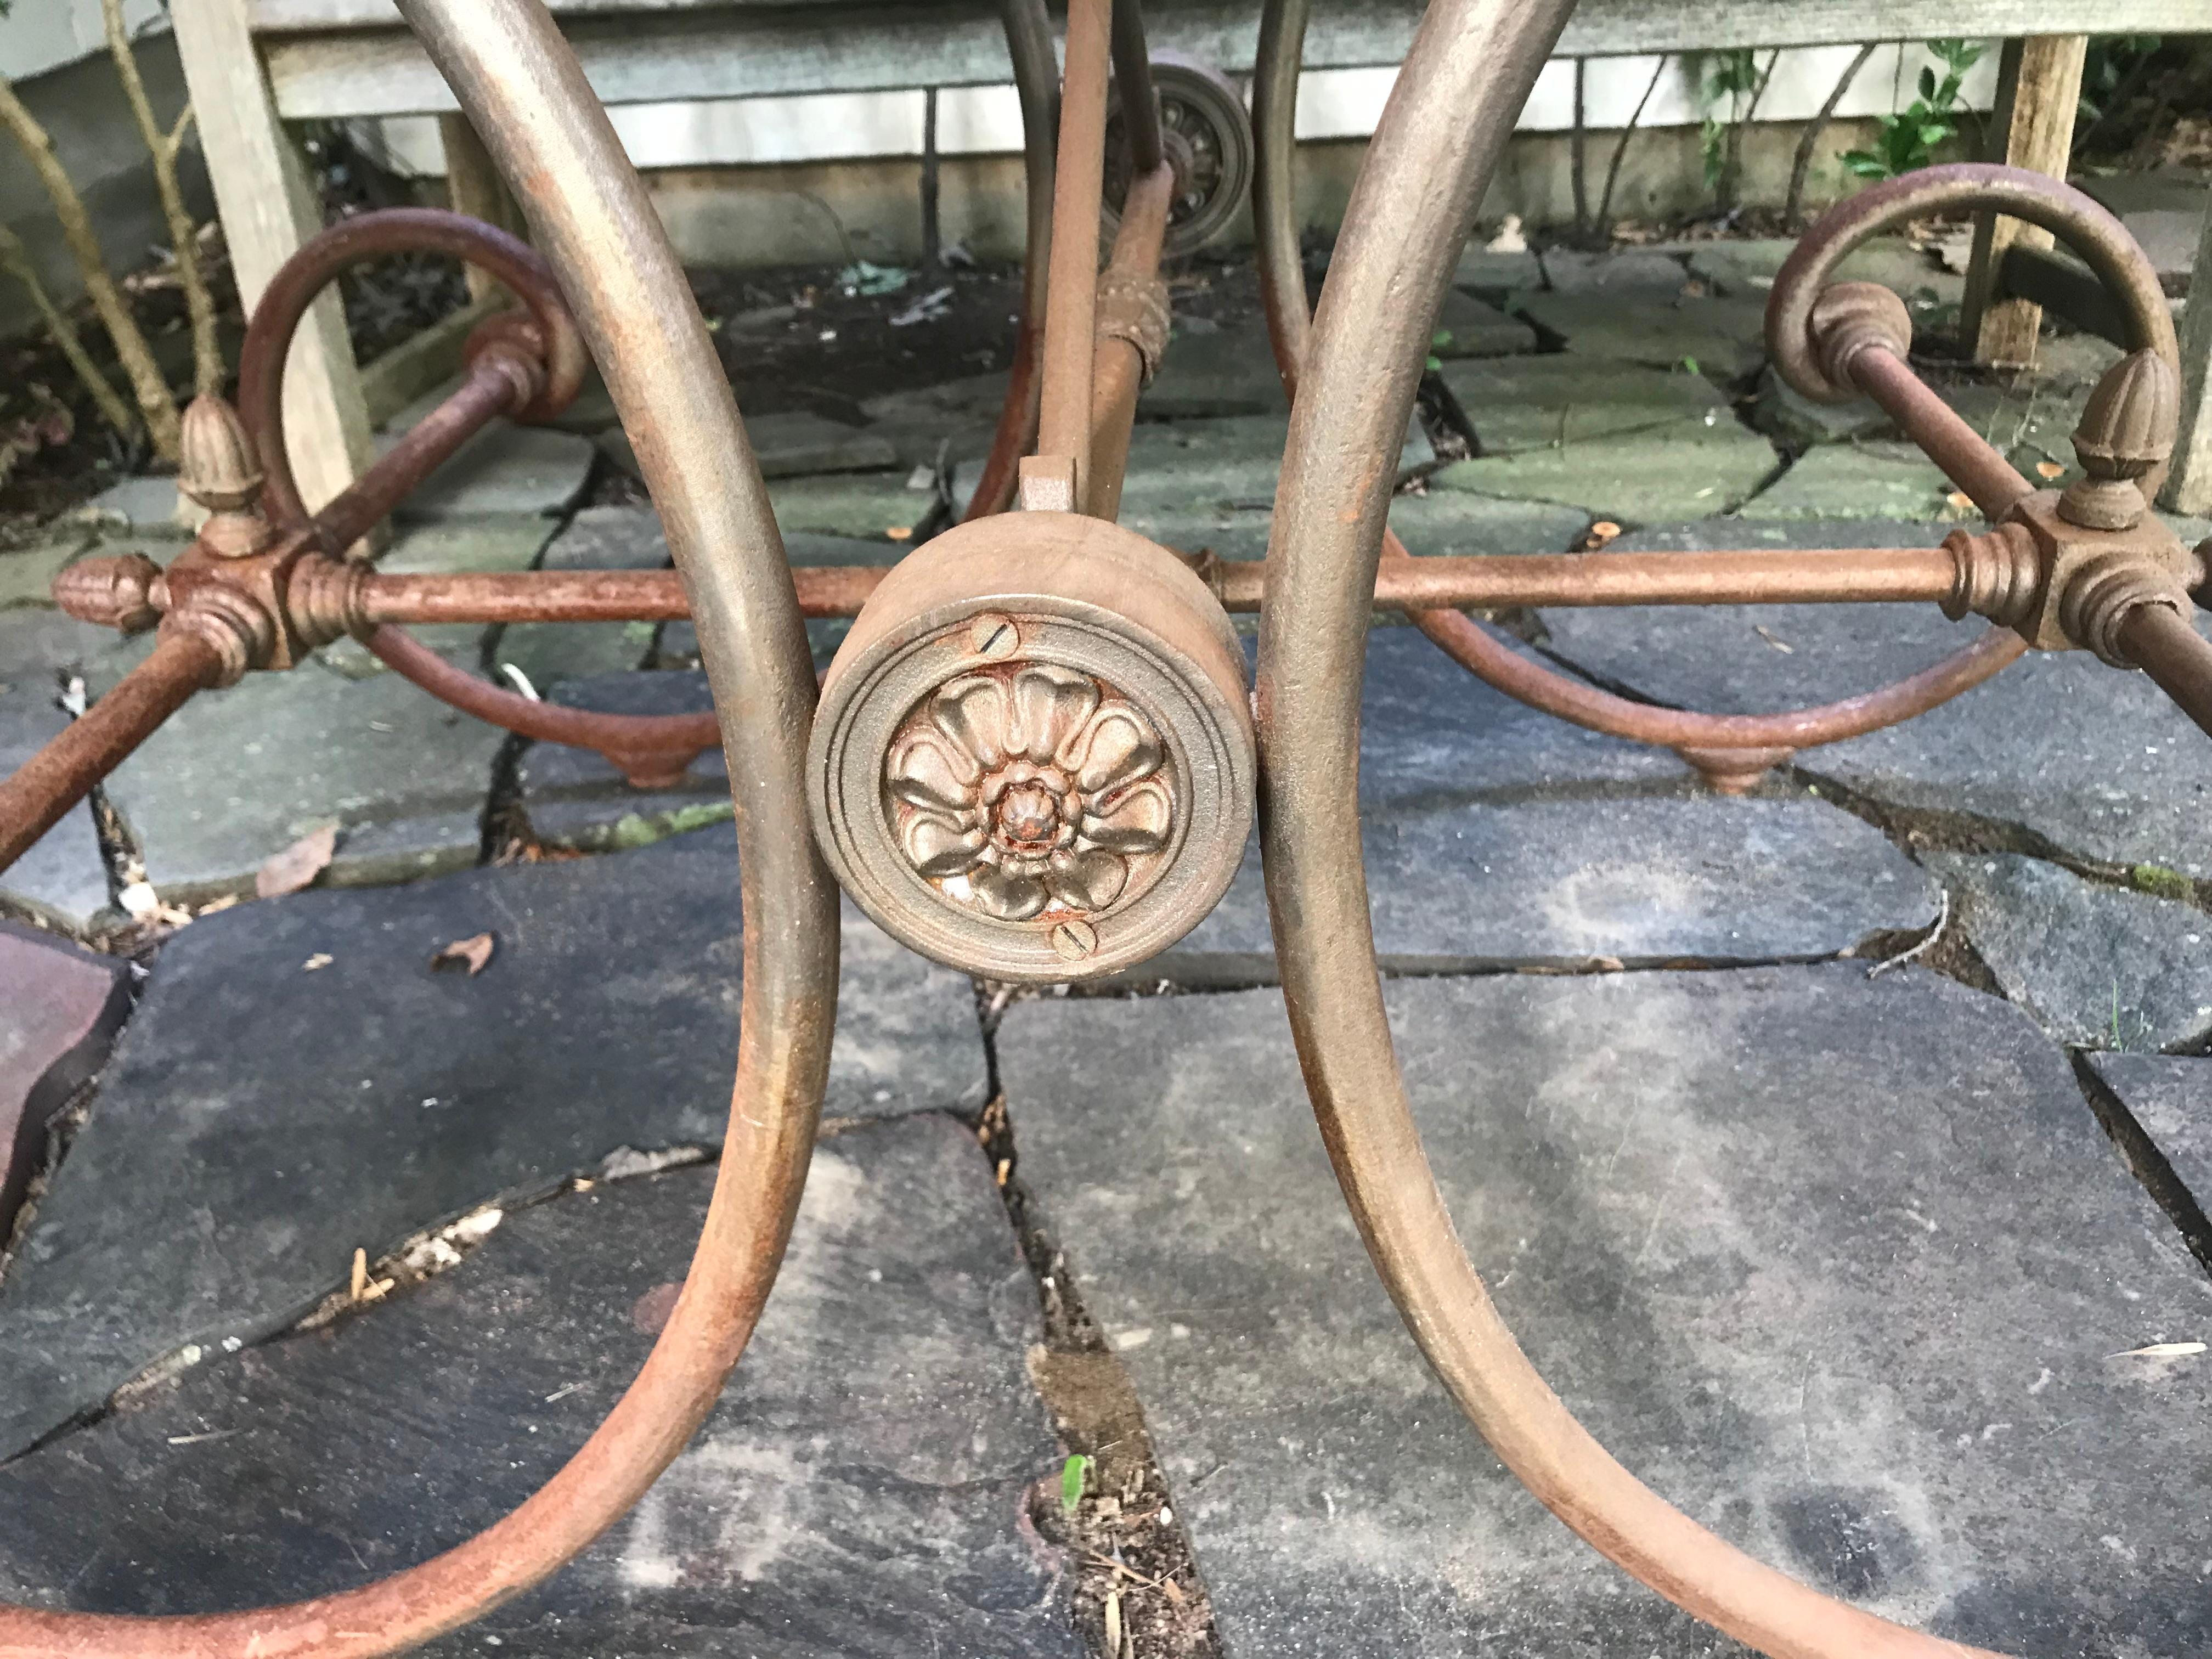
(253, 65)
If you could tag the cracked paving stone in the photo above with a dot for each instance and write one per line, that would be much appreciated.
(1468, 327)
(1847, 1269)
(2057, 749)
(264, 1117)
(1495, 834)
(1559, 402)
(862, 505)
(2096, 966)
(238, 775)
(62, 879)
(860, 1489)
(1685, 470)
(2166, 1096)
(596, 538)
(1723, 337)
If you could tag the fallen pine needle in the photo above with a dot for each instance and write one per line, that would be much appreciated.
(2159, 1350)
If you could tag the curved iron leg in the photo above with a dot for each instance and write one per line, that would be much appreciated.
(1472, 64)
(513, 72)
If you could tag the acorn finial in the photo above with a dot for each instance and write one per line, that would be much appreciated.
(2127, 427)
(219, 469)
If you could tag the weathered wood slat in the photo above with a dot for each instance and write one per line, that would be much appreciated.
(351, 58)
(269, 208)
(2037, 89)
(2189, 485)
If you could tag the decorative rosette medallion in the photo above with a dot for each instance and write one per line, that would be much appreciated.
(1035, 780)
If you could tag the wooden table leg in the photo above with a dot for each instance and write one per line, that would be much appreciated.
(2038, 86)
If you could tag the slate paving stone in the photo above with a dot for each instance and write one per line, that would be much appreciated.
(2059, 749)
(1633, 270)
(1226, 371)
(27, 575)
(596, 538)
(1726, 339)
(2164, 211)
(144, 506)
(1871, 479)
(62, 880)
(863, 506)
(2167, 1096)
(1494, 834)
(2098, 966)
(60, 1008)
(577, 799)
(1495, 274)
(1454, 523)
(1661, 475)
(860, 1490)
(1845, 1268)
(1542, 403)
(504, 470)
(262, 1120)
(1746, 270)
(789, 444)
(238, 775)
(1468, 327)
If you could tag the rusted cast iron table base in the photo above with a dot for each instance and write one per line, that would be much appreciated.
(1036, 758)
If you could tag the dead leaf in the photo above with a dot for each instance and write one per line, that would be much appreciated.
(320, 959)
(900, 533)
(471, 953)
(2050, 470)
(298, 865)
(1961, 500)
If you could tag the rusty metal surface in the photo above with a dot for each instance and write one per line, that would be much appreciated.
(35, 796)
(1472, 64)
(1035, 757)
(510, 65)
(1064, 420)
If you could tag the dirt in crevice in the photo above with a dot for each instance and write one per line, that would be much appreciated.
(1137, 1589)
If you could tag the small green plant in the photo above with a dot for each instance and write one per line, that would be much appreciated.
(1907, 140)
(1074, 1473)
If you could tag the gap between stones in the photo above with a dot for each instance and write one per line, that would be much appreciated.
(2145, 1160)
(1124, 1543)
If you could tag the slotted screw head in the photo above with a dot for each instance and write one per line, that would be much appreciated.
(1074, 938)
(993, 636)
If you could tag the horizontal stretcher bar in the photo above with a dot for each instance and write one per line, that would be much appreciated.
(1757, 576)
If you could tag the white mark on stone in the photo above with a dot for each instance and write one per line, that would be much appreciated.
(1132, 1339)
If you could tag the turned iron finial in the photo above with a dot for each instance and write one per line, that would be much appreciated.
(2127, 427)
(222, 473)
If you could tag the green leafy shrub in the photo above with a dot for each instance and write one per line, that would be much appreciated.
(1907, 140)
